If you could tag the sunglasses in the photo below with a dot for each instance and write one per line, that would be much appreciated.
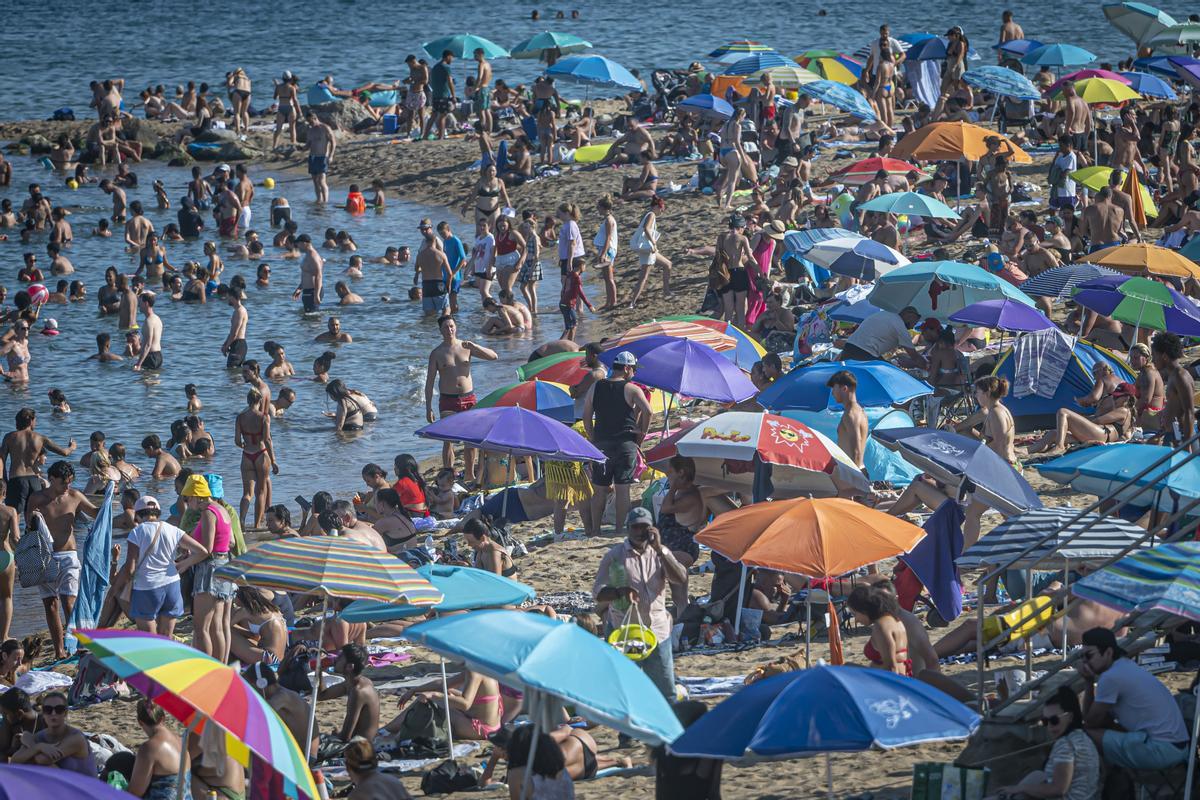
(1053, 720)
(54, 709)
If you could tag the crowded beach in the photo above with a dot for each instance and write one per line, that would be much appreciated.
(861, 417)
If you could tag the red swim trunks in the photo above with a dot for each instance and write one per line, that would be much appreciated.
(454, 403)
(228, 227)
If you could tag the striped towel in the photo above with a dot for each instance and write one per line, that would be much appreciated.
(1042, 358)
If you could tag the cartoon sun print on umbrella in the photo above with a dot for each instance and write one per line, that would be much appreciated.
(788, 436)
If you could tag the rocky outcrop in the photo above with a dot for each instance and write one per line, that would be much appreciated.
(343, 115)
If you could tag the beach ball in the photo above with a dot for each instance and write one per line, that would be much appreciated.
(268, 183)
(38, 293)
(72, 183)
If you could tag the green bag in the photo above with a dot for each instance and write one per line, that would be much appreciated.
(935, 781)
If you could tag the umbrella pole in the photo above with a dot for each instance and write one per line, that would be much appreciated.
(1191, 772)
(1028, 639)
(737, 615)
(507, 482)
(667, 417)
(312, 711)
(808, 629)
(446, 698)
(829, 775)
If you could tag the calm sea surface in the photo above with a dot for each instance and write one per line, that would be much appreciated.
(50, 50)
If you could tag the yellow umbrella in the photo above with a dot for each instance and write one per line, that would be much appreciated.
(1101, 91)
(1096, 178)
(785, 77)
(1145, 259)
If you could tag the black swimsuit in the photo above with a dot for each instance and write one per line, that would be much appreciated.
(589, 758)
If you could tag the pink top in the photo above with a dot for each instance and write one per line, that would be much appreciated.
(223, 534)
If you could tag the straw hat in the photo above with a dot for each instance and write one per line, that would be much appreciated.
(196, 486)
(775, 230)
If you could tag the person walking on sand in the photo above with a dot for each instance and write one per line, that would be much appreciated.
(321, 146)
(450, 368)
(616, 416)
(152, 330)
(312, 267)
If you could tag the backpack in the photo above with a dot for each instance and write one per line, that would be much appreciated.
(422, 721)
(293, 672)
(448, 777)
(34, 554)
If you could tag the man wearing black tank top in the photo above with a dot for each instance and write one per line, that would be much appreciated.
(616, 415)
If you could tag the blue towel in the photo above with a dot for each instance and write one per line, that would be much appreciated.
(94, 558)
(501, 159)
(932, 560)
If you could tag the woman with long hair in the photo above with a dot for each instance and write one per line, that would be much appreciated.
(410, 485)
(252, 434)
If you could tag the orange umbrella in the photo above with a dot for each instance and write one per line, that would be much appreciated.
(817, 538)
(1138, 258)
(699, 334)
(1133, 188)
(950, 141)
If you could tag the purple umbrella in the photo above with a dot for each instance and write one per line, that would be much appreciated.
(681, 366)
(1003, 314)
(22, 780)
(1188, 69)
(515, 430)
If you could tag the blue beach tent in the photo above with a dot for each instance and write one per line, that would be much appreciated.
(1034, 412)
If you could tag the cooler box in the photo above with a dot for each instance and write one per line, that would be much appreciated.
(391, 123)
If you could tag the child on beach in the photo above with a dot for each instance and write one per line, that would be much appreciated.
(441, 497)
(568, 301)
(193, 404)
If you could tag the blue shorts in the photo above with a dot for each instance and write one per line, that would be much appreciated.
(1136, 750)
(456, 282)
(570, 316)
(165, 601)
(1096, 247)
(318, 165)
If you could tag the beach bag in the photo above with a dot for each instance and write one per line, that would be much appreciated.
(933, 781)
(423, 721)
(34, 555)
(293, 672)
(640, 242)
(448, 777)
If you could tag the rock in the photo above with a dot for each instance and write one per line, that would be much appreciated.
(180, 162)
(138, 130)
(237, 151)
(342, 115)
(37, 143)
(17, 149)
(168, 151)
(216, 135)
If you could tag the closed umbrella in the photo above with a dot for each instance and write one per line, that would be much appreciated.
(1137, 258)
(839, 96)
(707, 105)
(1149, 85)
(1061, 281)
(951, 141)
(464, 45)
(1058, 55)
(826, 710)
(879, 384)
(1139, 21)
(864, 171)
(594, 71)
(963, 464)
(1003, 315)
(537, 45)
(682, 366)
(198, 690)
(545, 397)
(939, 288)
(1142, 303)
(757, 61)
(1001, 81)
(863, 259)
(922, 205)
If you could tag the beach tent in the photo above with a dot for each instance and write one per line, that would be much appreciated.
(1035, 412)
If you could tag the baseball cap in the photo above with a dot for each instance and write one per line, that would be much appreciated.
(625, 359)
(50, 327)
(639, 516)
(144, 502)
(222, 168)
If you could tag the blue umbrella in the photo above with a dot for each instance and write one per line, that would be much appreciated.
(880, 463)
(796, 245)
(557, 659)
(839, 96)
(464, 45)
(681, 366)
(1149, 85)
(1061, 281)
(963, 463)
(757, 61)
(464, 588)
(1140, 302)
(536, 45)
(854, 312)
(515, 430)
(932, 48)
(910, 203)
(1002, 81)
(939, 288)
(1101, 470)
(708, 105)
(826, 710)
(1187, 69)
(1159, 65)
(595, 71)
(1003, 315)
(1058, 55)
(1163, 578)
(1017, 47)
(879, 384)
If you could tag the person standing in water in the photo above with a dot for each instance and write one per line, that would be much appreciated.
(312, 267)
(450, 368)
(234, 347)
(151, 356)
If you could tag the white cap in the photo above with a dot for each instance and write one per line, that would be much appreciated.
(144, 502)
(222, 168)
(625, 359)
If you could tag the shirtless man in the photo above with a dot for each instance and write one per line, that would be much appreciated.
(362, 701)
(1078, 122)
(1009, 30)
(354, 528)
(435, 272)
(228, 208)
(138, 227)
(481, 102)
(853, 430)
(59, 264)
(288, 112)
(151, 356)
(292, 708)
(1102, 221)
(1177, 422)
(628, 148)
(450, 367)
(414, 100)
(118, 203)
(59, 505)
(166, 466)
(312, 267)
(1126, 137)
(504, 320)
(334, 333)
(245, 194)
(234, 347)
(321, 147)
(1121, 199)
(22, 449)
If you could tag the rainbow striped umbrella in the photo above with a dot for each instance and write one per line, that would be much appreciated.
(546, 397)
(680, 330)
(565, 368)
(196, 690)
(746, 350)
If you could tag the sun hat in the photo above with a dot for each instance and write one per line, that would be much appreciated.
(196, 486)
(216, 485)
(625, 359)
(775, 229)
(791, 161)
(146, 501)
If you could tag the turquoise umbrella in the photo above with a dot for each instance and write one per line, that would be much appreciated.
(1138, 21)
(464, 588)
(464, 45)
(939, 288)
(594, 70)
(536, 46)
(910, 203)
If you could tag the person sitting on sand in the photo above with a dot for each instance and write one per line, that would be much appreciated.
(1113, 421)
(888, 646)
(362, 701)
(292, 708)
(362, 765)
(476, 709)
(259, 632)
(156, 765)
(58, 744)
(488, 554)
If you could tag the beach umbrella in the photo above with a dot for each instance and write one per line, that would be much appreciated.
(1149, 85)
(880, 463)
(826, 710)
(1178, 37)
(1191, 250)
(879, 384)
(757, 61)
(1140, 302)
(707, 105)
(1188, 70)
(513, 430)
(910, 203)
(683, 366)
(565, 368)
(537, 45)
(594, 71)
(745, 352)
(1001, 81)
(786, 76)
(906, 41)
(28, 781)
(864, 171)
(464, 45)
(863, 259)
(1004, 315)
(1087, 538)
(1103, 470)
(1085, 74)
(1100, 92)
(552, 399)
(1139, 21)
(1096, 178)
(832, 65)
(330, 566)
(1016, 47)
(738, 49)
(700, 334)
(951, 141)
(800, 242)
(939, 288)
(1061, 281)
(1159, 65)
(1058, 55)
(839, 96)
(822, 538)
(1137, 258)
(963, 464)
(463, 589)
(198, 690)
(934, 48)
(855, 312)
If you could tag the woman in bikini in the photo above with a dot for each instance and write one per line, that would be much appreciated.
(354, 409)
(488, 554)
(885, 74)
(490, 196)
(580, 753)
(476, 709)
(510, 252)
(394, 524)
(16, 351)
(682, 514)
(156, 765)
(252, 433)
(888, 646)
(730, 157)
(259, 632)
(153, 259)
(998, 427)
(1113, 421)
(280, 367)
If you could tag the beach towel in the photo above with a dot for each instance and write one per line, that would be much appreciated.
(1041, 360)
(94, 558)
(925, 80)
(335, 770)
(932, 560)
(34, 683)
(711, 687)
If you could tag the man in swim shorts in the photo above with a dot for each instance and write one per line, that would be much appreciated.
(414, 100)
(450, 367)
(481, 102)
(23, 448)
(435, 272)
(234, 347)
(321, 146)
(312, 267)
(151, 356)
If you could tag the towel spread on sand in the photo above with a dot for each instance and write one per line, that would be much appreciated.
(711, 687)
(335, 770)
